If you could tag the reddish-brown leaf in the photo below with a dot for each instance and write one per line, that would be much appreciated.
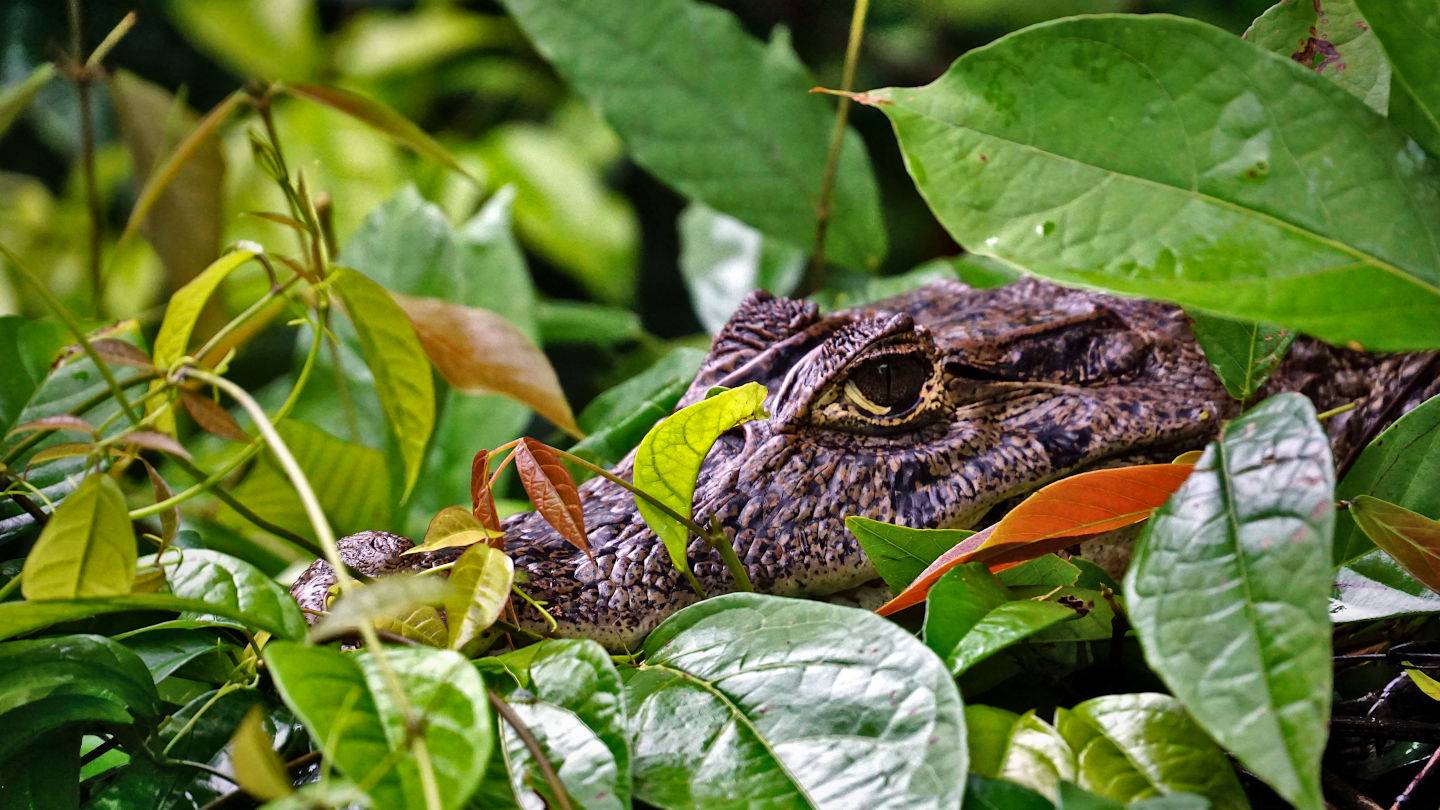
(120, 353)
(170, 518)
(58, 422)
(212, 418)
(1057, 516)
(151, 440)
(61, 450)
(552, 490)
(1410, 537)
(482, 500)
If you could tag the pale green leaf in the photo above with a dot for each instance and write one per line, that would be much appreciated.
(1333, 40)
(1018, 748)
(380, 118)
(722, 260)
(1401, 465)
(480, 586)
(87, 548)
(17, 97)
(277, 39)
(388, 599)
(252, 754)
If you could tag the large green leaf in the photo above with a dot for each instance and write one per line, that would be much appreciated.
(790, 703)
(1242, 353)
(49, 683)
(87, 548)
(1401, 465)
(44, 774)
(669, 457)
(167, 649)
(690, 92)
(619, 418)
(900, 553)
(1248, 186)
(970, 616)
(402, 371)
(1333, 40)
(1229, 589)
(1410, 32)
(722, 260)
(1018, 748)
(345, 702)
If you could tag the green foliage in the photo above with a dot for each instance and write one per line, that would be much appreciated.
(86, 549)
(1408, 29)
(1243, 354)
(970, 616)
(899, 553)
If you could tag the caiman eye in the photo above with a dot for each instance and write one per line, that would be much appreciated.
(887, 385)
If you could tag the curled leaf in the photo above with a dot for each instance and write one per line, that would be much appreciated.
(212, 418)
(170, 518)
(552, 490)
(482, 499)
(1410, 537)
(453, 527)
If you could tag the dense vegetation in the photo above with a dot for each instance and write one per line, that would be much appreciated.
(240, 333)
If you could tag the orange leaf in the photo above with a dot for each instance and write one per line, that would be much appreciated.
(1055, 517)
(1410, 537)
(482, 499)
(552, 490)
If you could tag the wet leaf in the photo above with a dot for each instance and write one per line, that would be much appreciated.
(1134, 747)
(970, 616)
(1411, 538)
(252, 754)
(380, 601)
(479, 352)
(334, 692)
(1229, 590)
(669, 458)
(740, 700)
(1354, 256)
(480, 583)
(212, 418)
(1408, 30)
(380, 118)
(1401, 465)
(87, 548)
(1242, 354)
(550, 488)
(482, 498)
(17, 97)
(900, 553)
(640, 78)
(1333, 40)
(394, 354)
(453, 527)
(1018, 748)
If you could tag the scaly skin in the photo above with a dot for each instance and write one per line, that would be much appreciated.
(1026, 384)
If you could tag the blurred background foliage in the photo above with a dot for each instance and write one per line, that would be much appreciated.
(586, 253)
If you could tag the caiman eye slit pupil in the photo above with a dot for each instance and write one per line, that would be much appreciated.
(892, 383)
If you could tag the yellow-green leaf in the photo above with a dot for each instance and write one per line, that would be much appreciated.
(379, 603)
(1427, 684)
(669, 458)
(1410, 537)
(453, 527)
(395, 356)
(87, 549)
(380, 118)
(481, 582)
(258, 768)
(15, 98)
(421, 623)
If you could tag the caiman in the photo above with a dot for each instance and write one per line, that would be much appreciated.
(937, 408)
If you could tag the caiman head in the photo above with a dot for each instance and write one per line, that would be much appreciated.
(934, 409)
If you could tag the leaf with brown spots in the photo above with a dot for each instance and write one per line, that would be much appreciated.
(212, 418)
(482, 499)
(1410, 537)
(552, 490)
(1057, 516)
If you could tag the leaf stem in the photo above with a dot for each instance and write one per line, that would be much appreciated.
(815, 272)
(560, 799)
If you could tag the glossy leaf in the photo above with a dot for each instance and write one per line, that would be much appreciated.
(900, 553)
(17, 97)
(550, 487)
(722, 260)
(641, 72)
(1229, 588)
(482, 497)
(167, 649)
(87, 548)
(257, 767)
(1333, 40)
(1018, 748)
(1401, 465)
(1242, 354)
(783, 702)
(1133, 747)
(394, 354)
(1408, 30)
(669, 458)
(454, 527)
(1291, 202)
(616, 420)
(970, 616)
(54, 682)
(1411, 538)
(380, 118)
(386, 599)
(1374, 586)
(346, 704)
(480, 586)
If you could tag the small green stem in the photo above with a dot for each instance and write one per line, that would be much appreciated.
(1336, 411)
(721, 544)
(549, 620)
(241, 319)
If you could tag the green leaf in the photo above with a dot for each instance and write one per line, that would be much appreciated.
(27, 348)
(1336, 43)
(55, 682)
(87, 548)
(274, 40)
(1229, 587)
(252, 754)
(1075, 798)
(1257, 190)
(166, 650)
(1409, 30)
(969, 617)
(386, 599)
(1402, 466)
(402, 371)
(345, 703)
(688, 90)
(619, 418)
(580, 323)
(1130, 747)
(1018, 748)
(1242, 354)
(1048, 571)
(722, 260)
(791, 703)
(900, 553)
(377, 43)
(1411, 538)
(982, 793)
(17, 97)
(380, 118)
(1374, 586)
(669, 458)
(480, 586)
(44, 774)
